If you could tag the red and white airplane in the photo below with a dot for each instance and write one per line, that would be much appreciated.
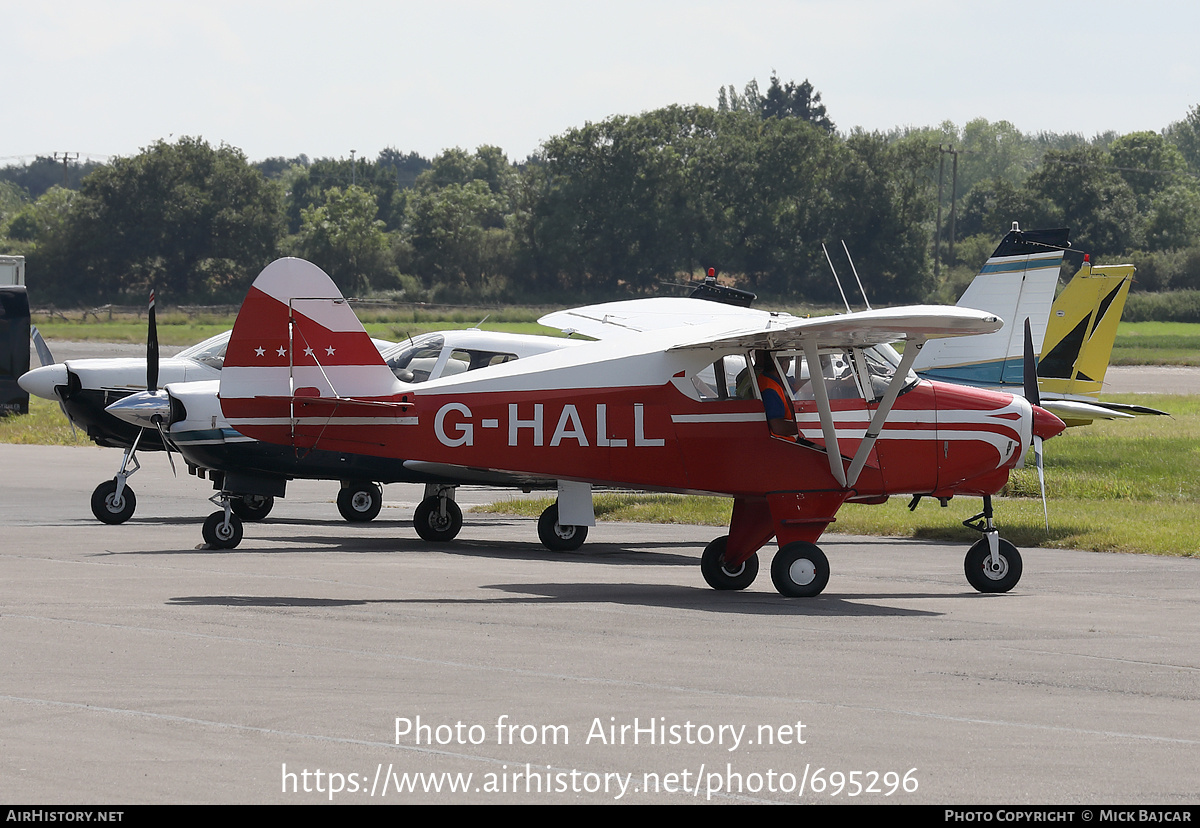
(657, 410)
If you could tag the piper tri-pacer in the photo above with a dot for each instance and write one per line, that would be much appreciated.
(660, 411)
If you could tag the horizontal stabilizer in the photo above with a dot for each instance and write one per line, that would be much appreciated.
(1073, 412)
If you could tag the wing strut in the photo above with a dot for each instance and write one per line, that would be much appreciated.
(911, 347)
(821, 396)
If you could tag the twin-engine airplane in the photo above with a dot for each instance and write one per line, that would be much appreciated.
(661, 411)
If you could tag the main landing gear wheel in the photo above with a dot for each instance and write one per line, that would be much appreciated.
(435, 526)
(987, 578)
(555, 536)
(360, 503)
(252, 508)
(720, 576)
(800, 570)
(108, 508)
(221, 535)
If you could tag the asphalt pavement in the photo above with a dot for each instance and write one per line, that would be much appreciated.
(322, 661)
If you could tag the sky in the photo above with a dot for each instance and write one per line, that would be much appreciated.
(285, 78)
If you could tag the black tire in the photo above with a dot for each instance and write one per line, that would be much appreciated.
(557, 537)
(432, 525)
(218, 534)
(800, 570)
(719, 576)
(980, 574)
(107, 508)
(360, 503)
(252, 508)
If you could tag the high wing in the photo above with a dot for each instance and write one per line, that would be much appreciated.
(612, 320)
(916, 323)
(747, 328)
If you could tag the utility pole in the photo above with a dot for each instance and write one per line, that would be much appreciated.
(353, 171)
(944, 150)
(66, 157)
(937, 231)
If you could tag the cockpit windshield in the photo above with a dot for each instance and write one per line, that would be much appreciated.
(210, 352)
(414, 360)
(849, 373)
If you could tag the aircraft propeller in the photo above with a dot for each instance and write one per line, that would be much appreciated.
(152, 377)
(1035, 398)
(152, 407)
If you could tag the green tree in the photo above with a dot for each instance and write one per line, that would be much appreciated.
(1147, 162)
(12, 201)
(1174, 218)
(345, 239)
(619, 208)
(1185, 135)
(405, 167)
(456, 166)
(795, 101)
(458, 236)
(993, 205)
(790, 100)
(194, 220)
(310, 188)
(45, 172)
(1089, 197)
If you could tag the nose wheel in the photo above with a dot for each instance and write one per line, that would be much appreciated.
(987, 575)
(222, 529)
(992, 563)
(113, 502)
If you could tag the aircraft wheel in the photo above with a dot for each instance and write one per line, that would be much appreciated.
(432, 525)
(555, 536)
(800, 570)
(107, 508)
(252, 508)
(360, 503)
(981, 575)
(221, 535)
(720, 576)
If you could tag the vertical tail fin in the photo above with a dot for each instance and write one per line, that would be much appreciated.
(1082, 330)
(1015, 284)
(296, 340)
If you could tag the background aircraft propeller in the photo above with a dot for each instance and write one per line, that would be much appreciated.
(151, 348)
(1035, 398)
(152, 375)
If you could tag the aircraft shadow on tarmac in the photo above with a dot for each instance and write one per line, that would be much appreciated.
(342, 538)
(669, 596)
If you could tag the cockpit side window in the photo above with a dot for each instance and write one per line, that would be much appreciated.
(419, 361)
(720, 380)
(837, 368)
